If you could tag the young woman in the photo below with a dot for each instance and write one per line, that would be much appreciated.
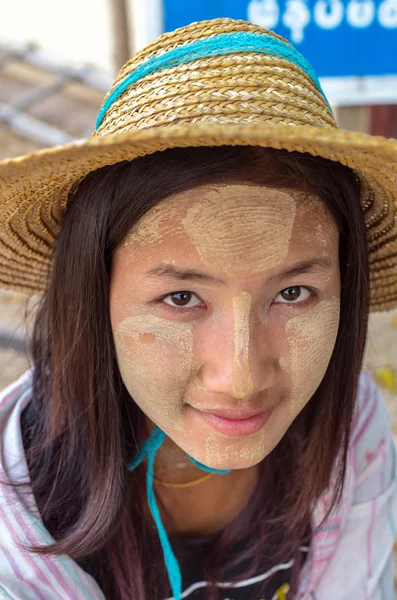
(195, 423)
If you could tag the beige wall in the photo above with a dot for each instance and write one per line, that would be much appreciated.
(79, 31)
(354, 118)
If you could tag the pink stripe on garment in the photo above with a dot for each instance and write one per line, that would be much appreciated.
(7, 523)
(30, 558)
(10, 499)
(47, 561)
(321, 559)
(14, 566)
(330, 522)
(88, 585)
(383, 468)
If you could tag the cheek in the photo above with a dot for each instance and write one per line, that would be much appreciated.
(311, 339)
(155, 362)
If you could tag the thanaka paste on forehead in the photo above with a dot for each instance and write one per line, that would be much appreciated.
(214, 232)
(325, 226)
(250, 225)
(157, 223)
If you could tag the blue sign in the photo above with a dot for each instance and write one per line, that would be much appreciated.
(341, 38)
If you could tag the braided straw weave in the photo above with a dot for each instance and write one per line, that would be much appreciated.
(241, 98)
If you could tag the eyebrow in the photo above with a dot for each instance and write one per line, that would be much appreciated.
(320, 263)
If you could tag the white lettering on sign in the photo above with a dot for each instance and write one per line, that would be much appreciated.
(327, 14)
(296, 17)
(360, 13)
(264, 12)
(387, 14)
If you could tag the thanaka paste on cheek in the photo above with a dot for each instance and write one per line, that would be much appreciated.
(155, 361)
(312, 336)
(242, 381)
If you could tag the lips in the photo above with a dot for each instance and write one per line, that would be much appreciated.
(235, 423)
(235, 415)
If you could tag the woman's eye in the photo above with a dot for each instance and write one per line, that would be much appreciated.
(295, 294)
(182, 300)
(292, 295)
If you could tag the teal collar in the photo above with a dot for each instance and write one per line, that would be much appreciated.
(149, 450)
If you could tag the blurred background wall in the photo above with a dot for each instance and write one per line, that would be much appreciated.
(76, 30)
(82, 31)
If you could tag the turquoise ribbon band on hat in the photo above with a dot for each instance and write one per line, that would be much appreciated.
(148, 451)
(224, 43)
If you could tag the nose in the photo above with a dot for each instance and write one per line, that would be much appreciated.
(237, 358)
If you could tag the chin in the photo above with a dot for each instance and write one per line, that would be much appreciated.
(219, 451)
(241, 464)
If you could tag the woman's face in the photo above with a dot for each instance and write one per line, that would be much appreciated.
(225, 310)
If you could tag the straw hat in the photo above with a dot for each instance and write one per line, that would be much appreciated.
(211, 83)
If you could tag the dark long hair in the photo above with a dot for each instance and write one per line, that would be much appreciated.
(83, 424)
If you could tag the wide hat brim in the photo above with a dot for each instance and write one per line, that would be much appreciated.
(34, 189)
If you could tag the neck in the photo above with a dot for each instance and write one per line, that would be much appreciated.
(208, 507)
(172, 464)
(231, 491)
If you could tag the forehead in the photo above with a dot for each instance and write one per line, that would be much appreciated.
(219, 225)
(235, 205)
